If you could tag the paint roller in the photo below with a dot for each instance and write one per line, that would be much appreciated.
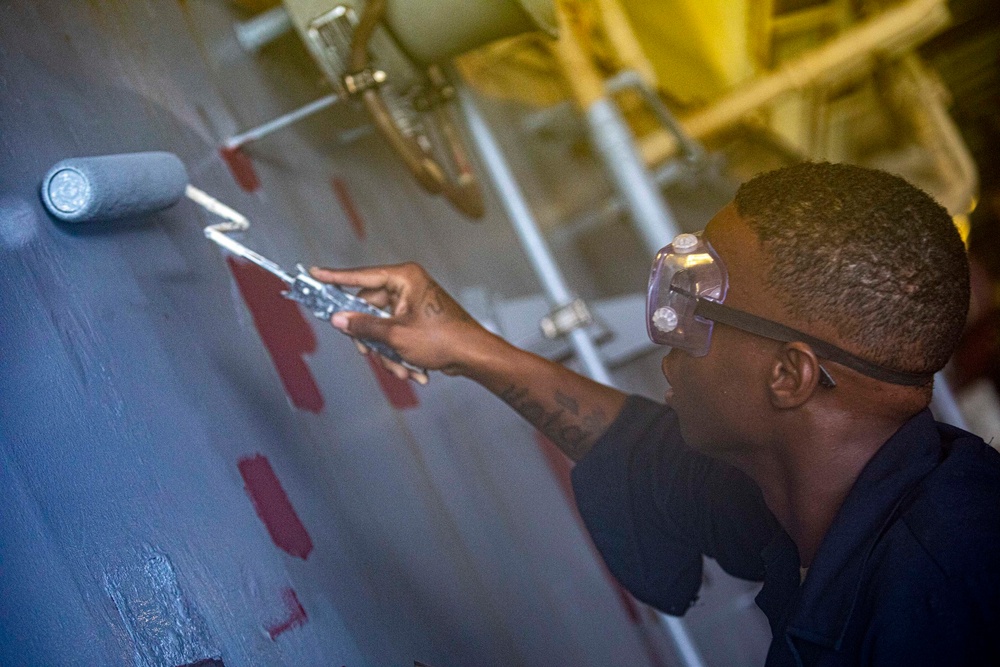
(113, 187)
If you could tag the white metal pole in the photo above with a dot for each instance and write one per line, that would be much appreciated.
(612, 138)
(538, 252)
(282, 122)
(516, 207)
(262, 29)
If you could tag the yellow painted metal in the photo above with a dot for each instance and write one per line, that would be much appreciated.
(890, 32)
(698, 48)
(692, 50)
(827, 80)
(576, 53)
(521, 69)
(964, 227)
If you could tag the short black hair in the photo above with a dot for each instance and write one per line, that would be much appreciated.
(866, 252)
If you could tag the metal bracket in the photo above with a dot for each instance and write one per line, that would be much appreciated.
(328, 36)
(630, 79)
(439, 91)
(366, 79)
(562, 320)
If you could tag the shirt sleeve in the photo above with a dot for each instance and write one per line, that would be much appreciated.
(653, 506)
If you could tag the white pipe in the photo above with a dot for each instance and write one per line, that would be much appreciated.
(262, 29)
(615, 145)
(516, 206)
(281, 122)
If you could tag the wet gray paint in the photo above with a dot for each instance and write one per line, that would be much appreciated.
(132, 380)
(18, 223)
(163, 629)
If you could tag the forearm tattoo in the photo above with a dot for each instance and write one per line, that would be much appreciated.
(573, 430)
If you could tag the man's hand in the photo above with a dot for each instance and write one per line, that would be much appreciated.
(428, 328)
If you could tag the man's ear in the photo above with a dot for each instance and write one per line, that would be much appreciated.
(795, 374)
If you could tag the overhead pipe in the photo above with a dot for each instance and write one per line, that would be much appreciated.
(891, 32)
(281, 122)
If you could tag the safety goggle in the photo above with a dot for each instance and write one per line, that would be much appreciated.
(687, 286)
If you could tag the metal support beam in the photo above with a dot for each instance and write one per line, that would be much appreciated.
(282, 122)
(516, 206)
(611, 136)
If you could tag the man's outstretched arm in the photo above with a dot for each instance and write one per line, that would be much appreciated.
(430, 330)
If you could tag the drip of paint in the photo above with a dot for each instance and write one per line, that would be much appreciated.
(241, 168)
(273, 506)
(296, 615)
(284, 330)
(399, 392)
(350, 209)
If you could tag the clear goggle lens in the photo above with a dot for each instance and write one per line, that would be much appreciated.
(682, 271)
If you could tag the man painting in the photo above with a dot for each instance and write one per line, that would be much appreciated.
(796, 447)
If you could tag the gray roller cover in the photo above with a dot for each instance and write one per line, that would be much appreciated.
(112, 187)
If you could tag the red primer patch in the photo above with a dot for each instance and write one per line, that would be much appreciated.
(399, 392)
(350, 209)
(273, 507)
(296, 615)
(560, 465)
(241, 167)
(285, 332)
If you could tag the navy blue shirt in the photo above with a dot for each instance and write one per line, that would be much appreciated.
(908, 573)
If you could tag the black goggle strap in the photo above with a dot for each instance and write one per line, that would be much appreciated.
(768, 329)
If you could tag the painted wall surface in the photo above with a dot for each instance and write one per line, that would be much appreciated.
(192, 471)
(177, 486)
